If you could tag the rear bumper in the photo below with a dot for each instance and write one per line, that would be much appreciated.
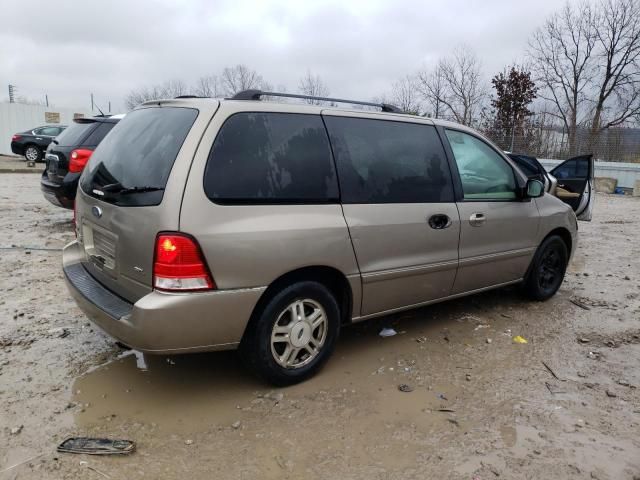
(17, 148)
(161, 322)
(60, 194)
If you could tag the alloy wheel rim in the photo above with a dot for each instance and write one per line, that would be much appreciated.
(31, 154)
(299, 333)
(550, 269)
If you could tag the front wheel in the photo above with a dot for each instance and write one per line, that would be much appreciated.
(547, 269)
(293, 335)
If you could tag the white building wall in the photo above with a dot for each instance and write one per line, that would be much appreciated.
(18, 117)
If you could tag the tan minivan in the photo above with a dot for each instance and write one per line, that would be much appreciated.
(209, 224)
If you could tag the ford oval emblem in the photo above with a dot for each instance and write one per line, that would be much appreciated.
(97, 211)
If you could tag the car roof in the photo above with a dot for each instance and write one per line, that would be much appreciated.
(280, 106)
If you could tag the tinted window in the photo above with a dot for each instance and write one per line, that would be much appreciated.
(389, 162)
(484, 173)
(74, 134)
(573, 168)
(139, 152)
(49, 131)
(527, 164)
(271, 158)
(98, 134)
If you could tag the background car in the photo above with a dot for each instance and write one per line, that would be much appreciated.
(67, 155)
(32, 143)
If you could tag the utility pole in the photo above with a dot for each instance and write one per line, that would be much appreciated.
(46, 99)
(12, 93)
(92, 103)
(109, 106)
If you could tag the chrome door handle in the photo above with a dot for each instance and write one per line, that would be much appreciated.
(477, 219)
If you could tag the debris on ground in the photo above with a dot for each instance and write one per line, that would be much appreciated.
(520, 339)
(188, 442)
(403, 387)
(17, 430)
(546, 365)
(236, 425)
(579, 304)
(387, 332)
(489, 340)
(96, 446)
(611, 393)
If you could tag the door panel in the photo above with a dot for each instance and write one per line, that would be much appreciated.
(576, 185)
(403, 260)
(499, 249)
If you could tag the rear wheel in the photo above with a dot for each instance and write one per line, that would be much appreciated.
(547, 269)
(33, 153)
(293, 335)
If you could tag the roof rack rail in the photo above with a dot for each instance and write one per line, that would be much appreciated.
(256, 94)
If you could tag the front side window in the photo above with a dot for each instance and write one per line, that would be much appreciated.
(484, 173)
(271, 158)
(381, 161)
(49, 131)
(573, 168)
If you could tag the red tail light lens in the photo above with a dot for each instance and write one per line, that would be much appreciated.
(179, 264)
(15, 138)
(78, 159)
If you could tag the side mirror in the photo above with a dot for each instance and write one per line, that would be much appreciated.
(535, 188)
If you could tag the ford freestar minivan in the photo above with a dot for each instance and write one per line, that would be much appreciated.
(209, 224)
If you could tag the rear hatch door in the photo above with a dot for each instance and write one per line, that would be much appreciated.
(132, 189)
(57, 154)
(576, 185)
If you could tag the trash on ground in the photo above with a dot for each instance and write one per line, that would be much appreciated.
(387, 332)
(468, 377)
(403, 387)
(554, 388)
(236, 424)
(478, 327)
(96, 446)
(489, 340)
(442, 397)
(17, 430)
(611, 394)
(520, 339)
(188, 441)
(447, 410)
(583, 340)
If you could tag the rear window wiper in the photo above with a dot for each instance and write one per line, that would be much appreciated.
(122, 190)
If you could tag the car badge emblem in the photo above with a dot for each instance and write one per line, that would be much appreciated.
(97, 211)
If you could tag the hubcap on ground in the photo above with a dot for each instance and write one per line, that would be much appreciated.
(31, 154)
(299, 333)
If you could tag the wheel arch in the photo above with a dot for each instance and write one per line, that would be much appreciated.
(332, 278)
(565, 235)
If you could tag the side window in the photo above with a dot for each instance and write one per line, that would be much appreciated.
(38, 131)
(49, 131)
(271, 158)
(484, 173)
(98, 134)
(381, 161)
(572, 169)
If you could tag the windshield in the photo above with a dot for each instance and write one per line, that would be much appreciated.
(137, 156)
(74, 134)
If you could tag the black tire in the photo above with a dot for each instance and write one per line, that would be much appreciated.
(34, 152)
(547, 269)
(257, 349)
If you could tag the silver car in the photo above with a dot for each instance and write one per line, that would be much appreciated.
(209, 224)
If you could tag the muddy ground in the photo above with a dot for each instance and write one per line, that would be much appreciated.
(564, 405)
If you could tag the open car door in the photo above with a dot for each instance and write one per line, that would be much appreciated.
(576, 184)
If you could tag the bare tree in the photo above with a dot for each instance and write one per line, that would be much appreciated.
(314, 86)
(208, 86)
(431, 87)
(587, 59)
(405, 95)
(238, 78)
(455, 87)
(169, 89)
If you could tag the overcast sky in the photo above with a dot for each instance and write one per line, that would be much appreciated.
(68, 49)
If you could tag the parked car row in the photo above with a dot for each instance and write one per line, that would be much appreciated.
(209, 224)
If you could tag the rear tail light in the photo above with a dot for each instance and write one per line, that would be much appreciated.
(179, 264)
(78, 159)
(15, 138)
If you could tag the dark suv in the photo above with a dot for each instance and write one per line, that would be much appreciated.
(32, 143)
(68, 154)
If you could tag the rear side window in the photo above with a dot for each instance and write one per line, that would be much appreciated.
(572, 169)
(139, 154)
(74, 134)
(382, 161)
(271, 158)
(98, 134)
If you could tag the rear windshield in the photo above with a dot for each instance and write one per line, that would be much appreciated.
(74, 134)
(134, 161)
